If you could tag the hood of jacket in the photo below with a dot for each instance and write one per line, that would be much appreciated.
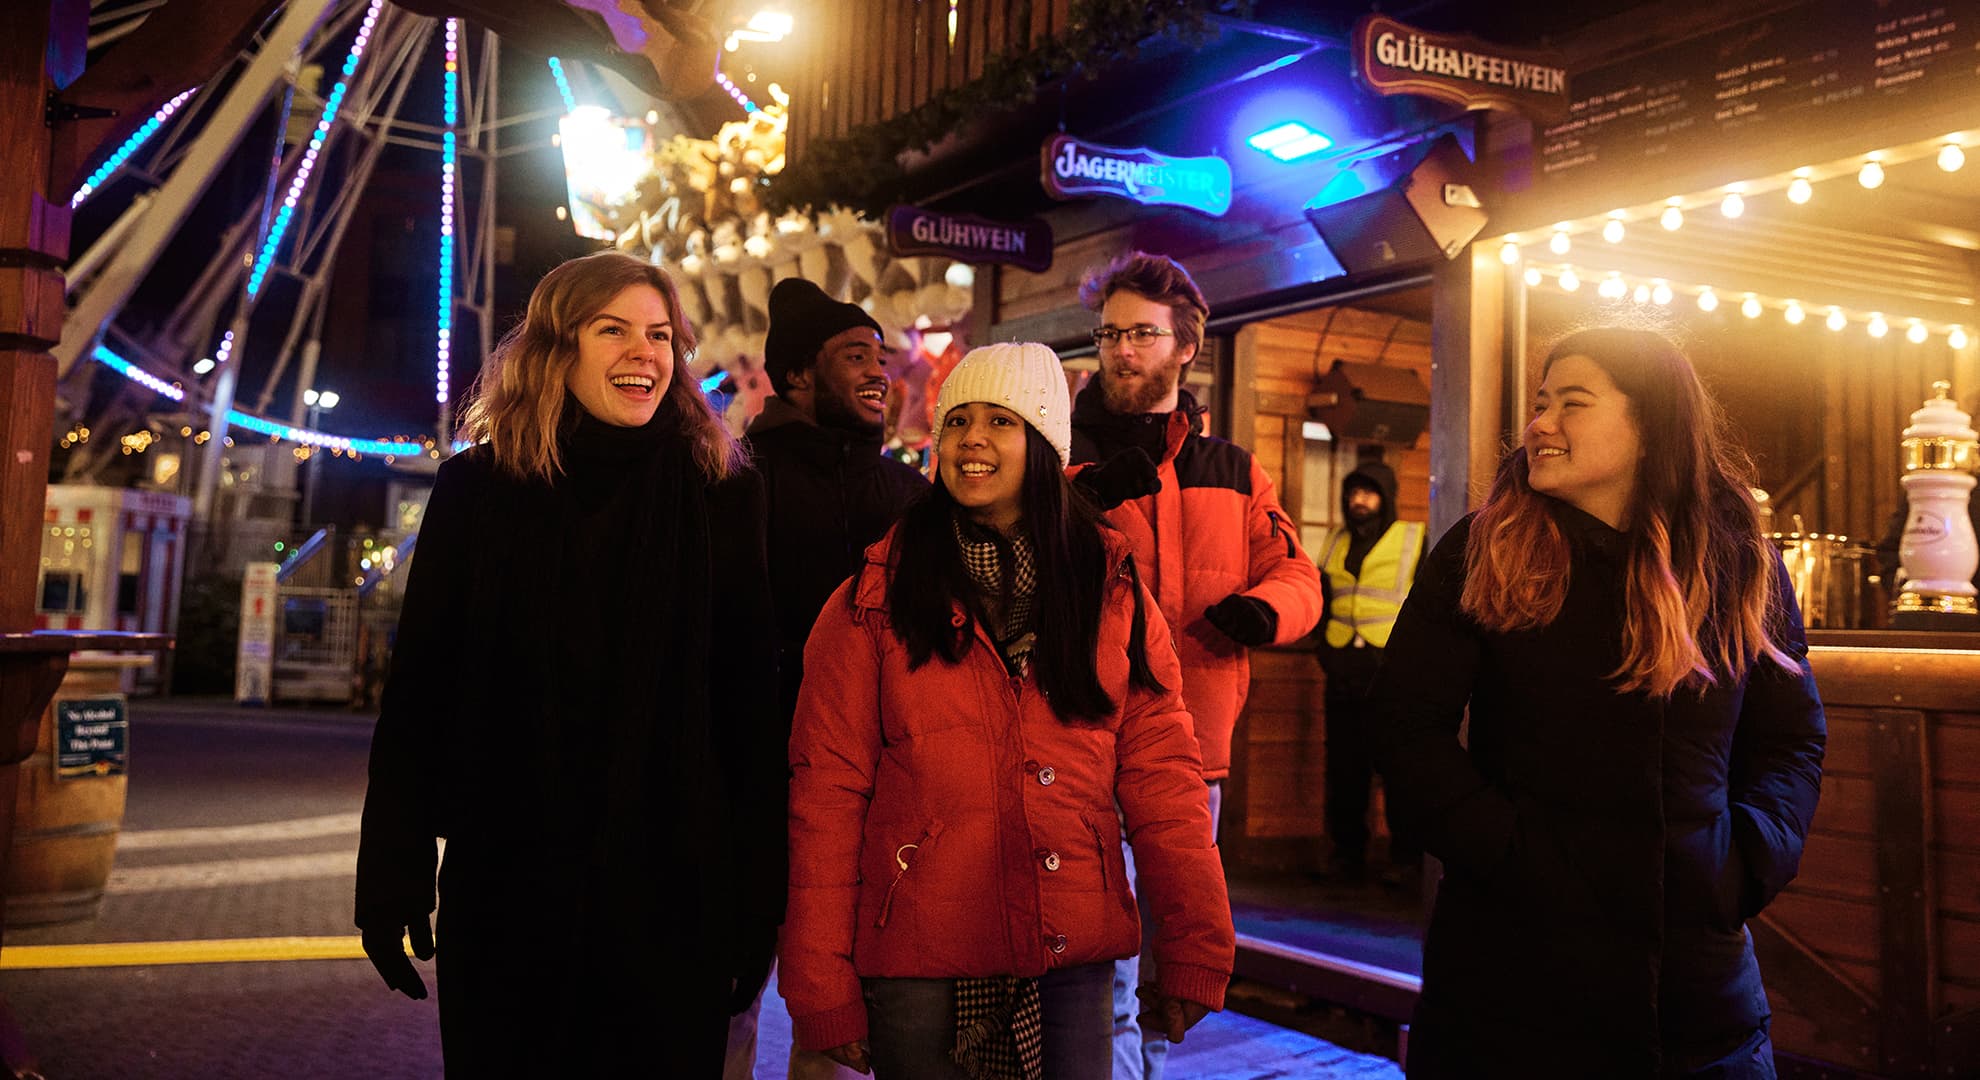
(1383, 479)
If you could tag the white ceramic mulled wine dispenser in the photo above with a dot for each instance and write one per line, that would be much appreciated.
(1939, 552)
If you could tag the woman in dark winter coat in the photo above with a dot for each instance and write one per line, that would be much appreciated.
(615, 844)
(976, 703)
(1645, 744)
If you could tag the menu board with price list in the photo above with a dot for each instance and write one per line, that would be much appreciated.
(1790, 77)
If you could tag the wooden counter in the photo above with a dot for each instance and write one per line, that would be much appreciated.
(1872, 955)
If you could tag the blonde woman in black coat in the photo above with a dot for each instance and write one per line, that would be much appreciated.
(615, 823)
(1645, 743)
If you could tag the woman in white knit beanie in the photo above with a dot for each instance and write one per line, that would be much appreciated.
(976, 703)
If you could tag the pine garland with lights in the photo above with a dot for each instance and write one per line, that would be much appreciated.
(855, 168)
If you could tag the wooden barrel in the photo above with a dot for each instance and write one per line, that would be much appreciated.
(65, 828)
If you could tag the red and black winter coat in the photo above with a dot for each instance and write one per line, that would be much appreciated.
(944, 823)
(1214, 529)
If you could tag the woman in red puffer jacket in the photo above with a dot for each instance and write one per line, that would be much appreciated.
(976, 704)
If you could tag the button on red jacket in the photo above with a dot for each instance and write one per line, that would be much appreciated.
(927, 808)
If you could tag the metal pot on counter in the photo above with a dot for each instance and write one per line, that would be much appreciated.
(1835, 579)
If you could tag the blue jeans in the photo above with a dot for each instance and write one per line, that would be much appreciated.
(1137, 1057)
(1753, 1060)
(911, 1025)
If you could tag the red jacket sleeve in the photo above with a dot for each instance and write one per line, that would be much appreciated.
(1159, 784)
(1280, 573)
(834, 753)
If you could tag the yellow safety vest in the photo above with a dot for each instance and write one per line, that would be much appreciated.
(1367, 606)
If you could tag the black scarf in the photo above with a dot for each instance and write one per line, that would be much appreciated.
(611, 573)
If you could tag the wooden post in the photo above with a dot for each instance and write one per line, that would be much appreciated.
(34, 243)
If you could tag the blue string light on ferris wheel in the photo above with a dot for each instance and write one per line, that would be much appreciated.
(563, 84)
(251, 422)
(449, 176)
(122, 154)
(734, 91)
(280, 226)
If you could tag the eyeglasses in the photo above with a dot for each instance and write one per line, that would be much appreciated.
(1140, 337)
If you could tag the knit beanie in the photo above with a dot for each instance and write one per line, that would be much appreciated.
(1024, 377)
(802, 320)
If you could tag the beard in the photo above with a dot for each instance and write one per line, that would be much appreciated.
(834, 411)
(1141, 395)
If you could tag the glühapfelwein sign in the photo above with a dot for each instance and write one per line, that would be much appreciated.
(1395, 58)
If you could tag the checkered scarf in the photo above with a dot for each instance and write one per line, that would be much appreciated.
(1000, 1029)
(1010, 611)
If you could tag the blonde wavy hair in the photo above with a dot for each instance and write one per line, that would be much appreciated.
(518, 399)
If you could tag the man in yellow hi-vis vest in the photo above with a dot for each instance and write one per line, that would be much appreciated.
(1366, 568)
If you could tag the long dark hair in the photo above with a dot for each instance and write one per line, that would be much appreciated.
(927, 579)
(1700, 594)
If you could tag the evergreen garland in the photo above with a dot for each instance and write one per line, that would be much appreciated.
(859, 168)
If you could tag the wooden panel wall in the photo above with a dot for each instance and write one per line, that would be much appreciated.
(1888, 899)
(1274, 810)
(867, 61)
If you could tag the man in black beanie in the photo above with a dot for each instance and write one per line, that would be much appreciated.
(831, 493)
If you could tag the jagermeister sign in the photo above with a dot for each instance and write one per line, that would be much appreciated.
(1070, 167)
(1395, 58)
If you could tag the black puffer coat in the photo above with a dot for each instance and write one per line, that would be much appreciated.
(831, 495)
(1601, 850)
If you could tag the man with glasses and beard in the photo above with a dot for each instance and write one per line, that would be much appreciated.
(831, 493)
(1212, 544)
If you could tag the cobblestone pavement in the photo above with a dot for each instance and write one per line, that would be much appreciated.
(243, 824)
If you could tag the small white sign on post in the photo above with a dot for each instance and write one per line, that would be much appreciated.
(254, 664)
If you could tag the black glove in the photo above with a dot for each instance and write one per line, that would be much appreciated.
(752, 971)
(1129, 474)
(1243, 619)
(385, 945)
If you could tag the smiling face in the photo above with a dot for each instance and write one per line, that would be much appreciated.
(625, 358)
(1583, 445)
(847, 386)
(1140, 378)
(982, 452)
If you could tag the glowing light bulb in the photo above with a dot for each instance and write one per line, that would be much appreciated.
(1732, 205)
(1532, 276)
(1559, 242)
(1951, 157)
(1750, 307)
(1957, 339)
(1672, 218)
(1793, 313)
(1612, 231)
(1613, 287)
(1878, 327)
(1509, 253)
(1800, 190)
(1708, 300)
(1836, 320)
(203, 365)
(1916, 333)
(1661, 293)
(1569, 282)
(1871, 175)
(1641, 295)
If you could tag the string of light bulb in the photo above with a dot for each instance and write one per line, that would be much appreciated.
(1731, 201)
(1615, 285)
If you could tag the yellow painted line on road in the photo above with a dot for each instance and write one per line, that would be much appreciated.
(148, 953)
